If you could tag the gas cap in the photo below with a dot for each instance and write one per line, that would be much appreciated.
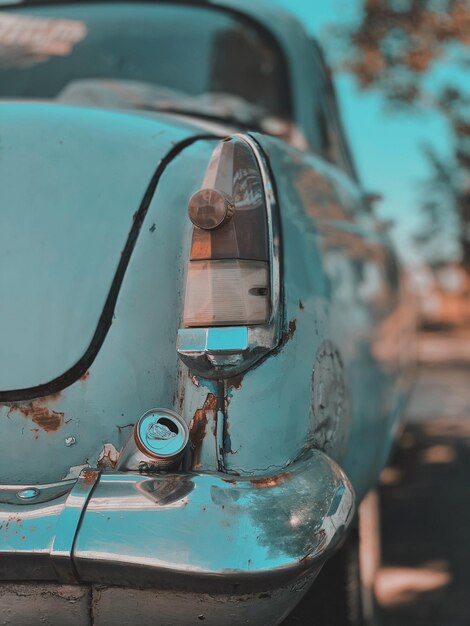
(158, 442)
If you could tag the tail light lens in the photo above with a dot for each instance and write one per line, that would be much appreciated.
(228, 280)
(232, 313)
(228, 292)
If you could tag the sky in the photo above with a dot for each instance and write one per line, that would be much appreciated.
(386, 145)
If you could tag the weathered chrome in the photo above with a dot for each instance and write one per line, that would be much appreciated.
(206, 531)
(158, 441)
(223, 352)
(28, 493)
(67, 525)
(21, 495)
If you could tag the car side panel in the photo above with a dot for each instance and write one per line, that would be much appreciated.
(331, 383)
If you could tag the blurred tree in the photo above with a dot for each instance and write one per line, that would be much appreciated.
(395, 47)
(439, 235)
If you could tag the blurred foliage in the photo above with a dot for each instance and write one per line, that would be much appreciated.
(394, 48)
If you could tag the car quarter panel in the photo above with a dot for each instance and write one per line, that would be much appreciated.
(137, 366)
(72, 181)
(331, 383)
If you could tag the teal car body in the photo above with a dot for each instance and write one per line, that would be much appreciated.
(286, 434)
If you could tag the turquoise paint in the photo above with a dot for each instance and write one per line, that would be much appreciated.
(332, 292)
(71, 178)
(136, 368)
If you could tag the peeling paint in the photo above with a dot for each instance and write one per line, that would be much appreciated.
(89, 476)
(235, 381)
(290, 331)
(39, 412)
(108, 457)
(197, 428)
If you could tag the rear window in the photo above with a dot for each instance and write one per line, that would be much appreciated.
(187, 49)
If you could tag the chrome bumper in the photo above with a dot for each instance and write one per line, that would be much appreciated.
(195, 533)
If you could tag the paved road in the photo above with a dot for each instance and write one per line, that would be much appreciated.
(425, 495)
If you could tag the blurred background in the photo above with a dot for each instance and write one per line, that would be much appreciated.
(402, 71)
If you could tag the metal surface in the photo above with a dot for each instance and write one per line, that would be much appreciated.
(28, 494)
(225, 352)
(18, 494)
(136, 367)
(206, 532)
(53, 311)
(68, 523)
(340, 285)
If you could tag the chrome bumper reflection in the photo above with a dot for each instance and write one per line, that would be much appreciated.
(192, 531)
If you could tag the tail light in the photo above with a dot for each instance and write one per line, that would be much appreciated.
(226, 292)
(231, 305)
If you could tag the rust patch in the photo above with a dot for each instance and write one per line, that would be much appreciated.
(235, 381)
(270, 481)
(197, 428)
(39, 412)
(85, 376)
(88, 476)
(290, 332)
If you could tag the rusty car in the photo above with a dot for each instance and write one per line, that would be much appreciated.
(205, 340)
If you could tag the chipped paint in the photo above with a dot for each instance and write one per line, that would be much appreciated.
(197, 428)
(75, 471)
(199, 381)
(235, 381)
(39, 412)
(290, 332)
(270, 481)
(89, 476)
(108, 457)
